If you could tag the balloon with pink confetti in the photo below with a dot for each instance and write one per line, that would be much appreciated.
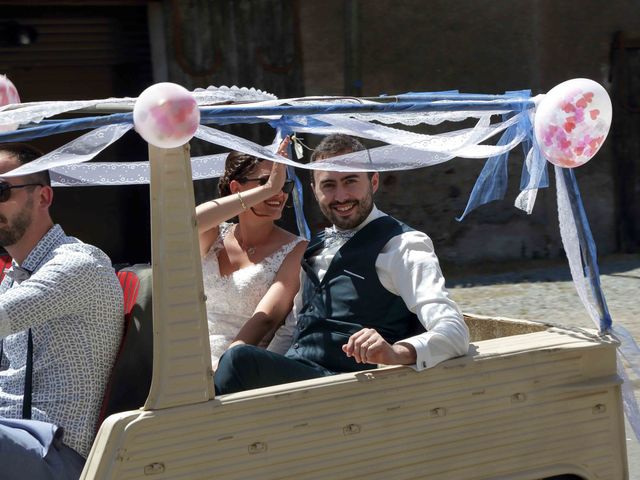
(572, 122)
(166, 115)
(8, 95)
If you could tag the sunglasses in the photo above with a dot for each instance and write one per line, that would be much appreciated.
(286, 188)
(6, 187)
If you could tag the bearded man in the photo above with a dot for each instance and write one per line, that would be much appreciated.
(371, 293)
(61, 312)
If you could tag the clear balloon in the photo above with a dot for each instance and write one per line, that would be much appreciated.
(8, 95)
(572, 121)
(166, 115)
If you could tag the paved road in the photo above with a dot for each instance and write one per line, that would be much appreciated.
(544, 291)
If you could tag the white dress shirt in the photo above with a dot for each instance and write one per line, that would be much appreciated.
(407, 266)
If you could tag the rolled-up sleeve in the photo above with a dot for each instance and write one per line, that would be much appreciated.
(408, 267)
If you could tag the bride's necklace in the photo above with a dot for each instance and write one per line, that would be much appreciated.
(248, 250)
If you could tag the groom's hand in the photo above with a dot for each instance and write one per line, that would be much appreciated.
(368, 346)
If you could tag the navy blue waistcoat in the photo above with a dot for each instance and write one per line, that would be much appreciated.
(349, 297)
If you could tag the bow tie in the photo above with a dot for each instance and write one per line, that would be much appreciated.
(17, 274)
(333, 236)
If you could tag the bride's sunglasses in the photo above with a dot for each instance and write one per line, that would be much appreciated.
(286, 188)
(6, 187)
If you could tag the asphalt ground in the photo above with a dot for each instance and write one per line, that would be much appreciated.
(543, 290)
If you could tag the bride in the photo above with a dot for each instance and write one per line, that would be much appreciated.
(251, 268)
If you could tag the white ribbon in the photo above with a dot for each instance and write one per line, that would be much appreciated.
(35, 112)
(389, 157)
(449, 142)
(82, 149)
(535, 166)
(129, 173)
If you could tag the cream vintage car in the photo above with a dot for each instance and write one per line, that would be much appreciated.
(528, 401)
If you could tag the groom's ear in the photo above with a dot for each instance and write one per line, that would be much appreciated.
(375, 181)
(313, 183)
(313, 189)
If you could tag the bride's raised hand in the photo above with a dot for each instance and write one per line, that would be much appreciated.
(283, 149)
(279, 170)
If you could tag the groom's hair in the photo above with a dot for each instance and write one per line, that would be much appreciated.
(334, 145)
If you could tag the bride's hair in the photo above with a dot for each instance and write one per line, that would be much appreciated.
(236, 166)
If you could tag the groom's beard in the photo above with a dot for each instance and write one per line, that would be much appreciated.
(361, 210)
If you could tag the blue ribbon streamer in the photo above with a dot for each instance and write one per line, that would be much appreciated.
(435, 104)
(226, 114)
(493, 180)
(445, 94)
(297, 121)
(587, 249)
(53, 127)
(297, 194)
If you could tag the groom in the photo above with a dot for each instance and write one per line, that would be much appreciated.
(371, 293)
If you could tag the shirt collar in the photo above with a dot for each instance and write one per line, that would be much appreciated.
(43, 247)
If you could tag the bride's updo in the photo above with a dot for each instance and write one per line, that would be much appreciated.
(236, 166)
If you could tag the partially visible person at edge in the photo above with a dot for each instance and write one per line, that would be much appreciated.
(251, 268)
(370, 284)
(64, 297)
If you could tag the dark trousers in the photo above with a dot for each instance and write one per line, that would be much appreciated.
(245, 367)
(34, 450)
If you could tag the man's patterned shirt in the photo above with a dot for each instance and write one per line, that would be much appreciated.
(72, 301)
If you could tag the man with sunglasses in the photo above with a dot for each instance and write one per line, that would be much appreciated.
(371, 293)
(61, 313)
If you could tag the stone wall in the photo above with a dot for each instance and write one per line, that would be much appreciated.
(476, 46)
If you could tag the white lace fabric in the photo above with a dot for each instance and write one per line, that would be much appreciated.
(232, 299)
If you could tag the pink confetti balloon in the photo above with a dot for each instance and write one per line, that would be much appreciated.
(572, 122)
(166, 115)
(8, 95)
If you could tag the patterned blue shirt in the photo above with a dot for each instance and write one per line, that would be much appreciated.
(68, 294)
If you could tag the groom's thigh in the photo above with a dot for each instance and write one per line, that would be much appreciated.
(245, 367)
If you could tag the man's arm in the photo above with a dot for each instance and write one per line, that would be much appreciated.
(53, 291)
(408, 267)
(368, 346)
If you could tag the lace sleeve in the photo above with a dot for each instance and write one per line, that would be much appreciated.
(223, 230)
(286, 250)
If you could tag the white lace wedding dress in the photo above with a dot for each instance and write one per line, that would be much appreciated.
(231, 300)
